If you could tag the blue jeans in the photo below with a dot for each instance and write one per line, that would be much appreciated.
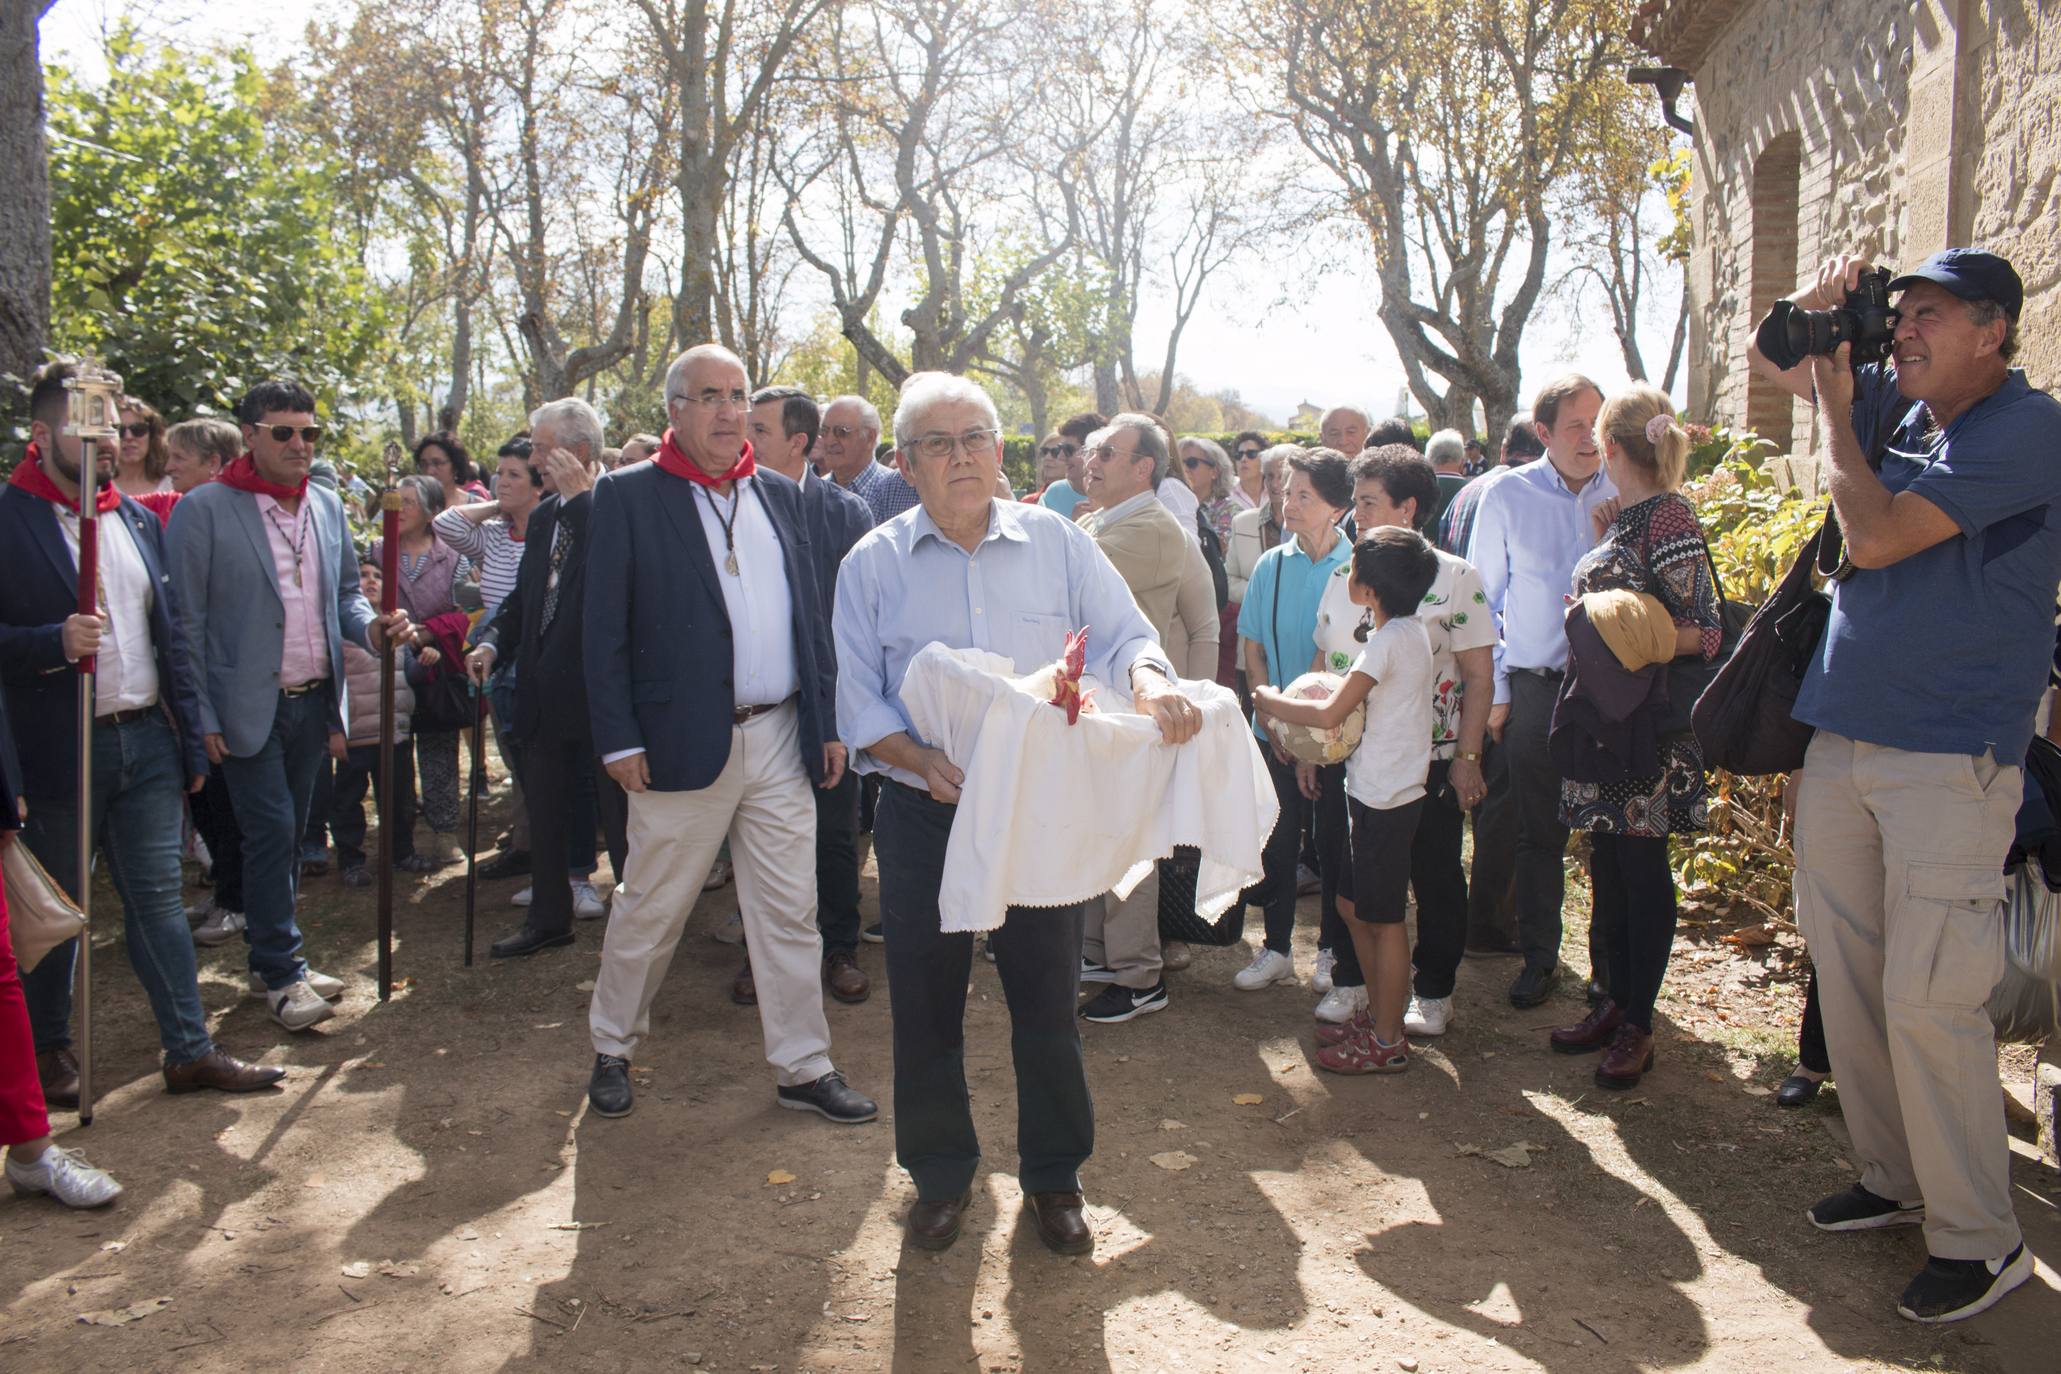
(137, 805)
(273, 790)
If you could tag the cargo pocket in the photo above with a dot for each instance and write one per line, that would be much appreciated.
(1949, 949)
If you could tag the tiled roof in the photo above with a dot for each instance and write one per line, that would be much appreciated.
(1679, 32)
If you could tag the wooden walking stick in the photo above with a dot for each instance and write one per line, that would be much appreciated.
(472, 815)
(389, 597)
(94, 414)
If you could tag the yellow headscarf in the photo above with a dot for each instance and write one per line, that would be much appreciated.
(1636, 626)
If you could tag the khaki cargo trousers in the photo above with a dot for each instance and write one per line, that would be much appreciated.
(1899, 890)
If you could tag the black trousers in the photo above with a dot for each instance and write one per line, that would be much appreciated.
(837, 865)
(1491, 902)
(358, 773)
(1038, 955)
(1440, 886)
(1535, 799)
(1635, 907)
(551, 763)
(1283, 851)
(215, 818)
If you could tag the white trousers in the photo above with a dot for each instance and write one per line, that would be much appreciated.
(762, 804)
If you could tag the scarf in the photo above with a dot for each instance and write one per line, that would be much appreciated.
(243, 475)
(671, 459)
(30, 477)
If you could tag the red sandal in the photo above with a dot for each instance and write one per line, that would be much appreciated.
(1365, 1054)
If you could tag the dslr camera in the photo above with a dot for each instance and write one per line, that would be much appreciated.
(1867, 321)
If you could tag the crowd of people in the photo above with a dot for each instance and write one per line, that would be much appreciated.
(693, 649)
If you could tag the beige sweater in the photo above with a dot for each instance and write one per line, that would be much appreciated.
(1171, 583)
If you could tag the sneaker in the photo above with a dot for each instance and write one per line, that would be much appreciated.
(195, 851)
(298, 1006)
(65, 1175)
(1266, 967)
(357, 875)
(1857, 1209)
(1327, 963)
(1092, 972)
(326, 987)
(730, 932)
(220, 928)
(830, 1097)
(987, 949)
(872, 935)
(1948, 1290)
(200, 913)
(1114, 1004)
(1361, 1024)
(587, 903)
(314, 863)
(1428, 1016)
(1341, 1005)
(1366, 1054)
(719, 874)
(522, 898)
(422, 863)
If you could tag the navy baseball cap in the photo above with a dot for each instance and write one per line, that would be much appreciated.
(1972, 275)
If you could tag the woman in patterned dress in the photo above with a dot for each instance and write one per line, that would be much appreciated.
(1648, 540)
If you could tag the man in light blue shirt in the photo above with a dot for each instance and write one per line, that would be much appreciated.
(970, 571)
(1529, 531)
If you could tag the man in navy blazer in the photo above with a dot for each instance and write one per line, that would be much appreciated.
(147, 753)
(706, 645)
(268, 589)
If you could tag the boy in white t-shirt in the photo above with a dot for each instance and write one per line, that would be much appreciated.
(1384, 784)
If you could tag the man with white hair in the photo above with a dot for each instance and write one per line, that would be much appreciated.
(967, 570)
(537, 628)
(844, 454)
(1447, 451)
(1344, 428)
(706, 655)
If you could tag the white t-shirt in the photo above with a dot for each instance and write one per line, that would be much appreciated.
(1389, 767)
(1455, 615)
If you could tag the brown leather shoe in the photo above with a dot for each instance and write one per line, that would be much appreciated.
(1630, 1055)
(1592, 1032)
(743, 991)
(935, 1225)
(222, 1071)
(59, 1072)
(845, 979)
(1060, 1223)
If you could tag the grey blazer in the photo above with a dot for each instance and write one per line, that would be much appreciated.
(234, 619)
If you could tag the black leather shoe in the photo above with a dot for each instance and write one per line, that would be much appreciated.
(1060, 1223)
(1534, 985)
(1797, 1089)
(509, 863)
(831, 1098)
(1596, 992)
(527, 941)
(608, 1091)
(935, 1225)
(58, 1071)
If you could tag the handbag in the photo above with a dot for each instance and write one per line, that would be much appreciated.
(1689, 678)
(444, 703)
(1744, 718)
(2025, 1006)
(1177, 918)
(40, 914)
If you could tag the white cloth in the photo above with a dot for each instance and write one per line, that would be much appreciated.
(125, 670)
(1052, 814)
(758, 597)
(1394, 755)
(1179, 498)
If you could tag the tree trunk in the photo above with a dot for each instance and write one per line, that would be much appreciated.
(1105, 386)
(25, 209)
(1674, 351)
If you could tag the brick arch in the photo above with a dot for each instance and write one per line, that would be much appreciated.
(1777, 173)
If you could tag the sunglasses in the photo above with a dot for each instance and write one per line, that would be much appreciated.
(283, 434)
(1191, 462)
(139, 430)
(1059, 450)
(1245, 453)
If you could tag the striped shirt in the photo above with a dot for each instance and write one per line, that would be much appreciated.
(886, 492)
(493, 550)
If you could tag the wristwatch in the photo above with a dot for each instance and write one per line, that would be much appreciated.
(1466, 757)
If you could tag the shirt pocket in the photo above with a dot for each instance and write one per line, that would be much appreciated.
(1949, 951)
(1038, 638)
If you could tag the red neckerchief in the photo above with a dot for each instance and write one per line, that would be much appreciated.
(679, 464)
(243, 475)
(30, 477)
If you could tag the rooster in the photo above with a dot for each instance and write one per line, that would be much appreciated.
(1059, 683)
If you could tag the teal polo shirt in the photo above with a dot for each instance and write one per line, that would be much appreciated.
(1279, 612)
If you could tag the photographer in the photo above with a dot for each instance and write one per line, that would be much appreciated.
(1906, 799)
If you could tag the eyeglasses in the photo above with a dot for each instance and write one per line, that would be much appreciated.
(1193, 461)
(941, 445)
(139, 430)
(283, 434)
(843, 432)
(1099, 453)
(716, 400)
(1059, 450)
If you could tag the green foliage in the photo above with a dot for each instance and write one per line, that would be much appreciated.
(1672, 174)
(1713, 445)
(196, 248)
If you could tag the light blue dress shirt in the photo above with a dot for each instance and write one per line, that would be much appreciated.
(1529, 532)
(1036, 576)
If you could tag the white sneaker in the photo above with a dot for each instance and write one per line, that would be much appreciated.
(195, 850)
(1341, 1005)
(1321, 979)
(64, 1175)
(587, 905)
(297, 1006)
(1428, 1016)
(731, 932)
(326, 987)
(220, 927)
(521, 898)
(1266, 967)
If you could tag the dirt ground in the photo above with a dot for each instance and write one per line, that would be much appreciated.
(429, 1192)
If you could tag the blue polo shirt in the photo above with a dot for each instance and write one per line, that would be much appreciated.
(1279, 612)
(1061, 496)
(1947, 651)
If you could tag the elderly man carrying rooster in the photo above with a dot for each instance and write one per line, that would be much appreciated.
(969, 571)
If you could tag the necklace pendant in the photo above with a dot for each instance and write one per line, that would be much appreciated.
(730, 564)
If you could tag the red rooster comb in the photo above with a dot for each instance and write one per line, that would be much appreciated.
(1066, 692)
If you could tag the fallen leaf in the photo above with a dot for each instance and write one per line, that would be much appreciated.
(1517, 1156)
(1756, 1090)
(357, 1269)
(1169, 1124)
(465, 1233)
(1248, 1099)
(122, 1316)
(548, 1025)
(1713, 1076)
(563, 1112)
(1751, 937)
(779, 1178)
(1174, 1161)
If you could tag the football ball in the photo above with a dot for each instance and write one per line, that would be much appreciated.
(1307, 743)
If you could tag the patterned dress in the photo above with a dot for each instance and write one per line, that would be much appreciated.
(1654, 547)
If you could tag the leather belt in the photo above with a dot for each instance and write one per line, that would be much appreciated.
(304, 688)
(741, 714)
(124, 717)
